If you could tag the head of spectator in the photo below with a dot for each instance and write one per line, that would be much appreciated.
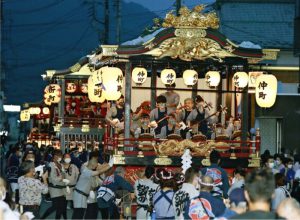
(149, 172)
(215, 157)
(57, 156)
(279, 179)
(259, 188)
(237, 200)
(206, 183)
(28, 169)
(29, 155)
(67, 158)
(269, 162)
(278, 159)
(167, 180)
(94, 155)
(120, 171)
(288, 163)
(157, 175)
(289, 209)
(192, 176)
(239, 174)
(92, 164)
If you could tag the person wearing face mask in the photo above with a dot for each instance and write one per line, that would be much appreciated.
(171, 128)
(269, 163)
(144, 127)
(57, 184)
(71, 174)
(186, 193)
(159, 113)
(278, 163)
(289, 173)
(199, 114)
(31, 188)
(238, 180)
(116, 112)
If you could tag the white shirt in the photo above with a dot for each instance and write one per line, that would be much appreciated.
(144, 190)
(280, 194)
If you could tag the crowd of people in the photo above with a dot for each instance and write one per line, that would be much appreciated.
(82, 181)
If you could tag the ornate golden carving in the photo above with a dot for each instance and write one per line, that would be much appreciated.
(255, 162)
(75, 68)
(163, 161)
(190, 32)
(193, 18)
(270, 54)
(119, 160)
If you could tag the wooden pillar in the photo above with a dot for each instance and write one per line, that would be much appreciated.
(127, 99)
(153, 85)
(61, 111)
(245, 111)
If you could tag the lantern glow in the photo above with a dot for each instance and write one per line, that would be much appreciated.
(190, 77)
(139, 75)
(46, 111)
(266, 91)
(71, 87)
(212, 78)
(168, 76)
(25, 115)
(240, 79)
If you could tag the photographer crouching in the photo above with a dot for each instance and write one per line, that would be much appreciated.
(31, 188)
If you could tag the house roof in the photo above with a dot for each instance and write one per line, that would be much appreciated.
(267, 23)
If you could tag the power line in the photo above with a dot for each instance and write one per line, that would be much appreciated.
(57, 2)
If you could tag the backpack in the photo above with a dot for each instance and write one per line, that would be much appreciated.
(296, 190)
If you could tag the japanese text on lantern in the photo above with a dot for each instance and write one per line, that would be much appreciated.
(262, 85)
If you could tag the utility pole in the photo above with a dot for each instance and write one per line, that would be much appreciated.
(118, 34)
(106, 21)
(178, 6)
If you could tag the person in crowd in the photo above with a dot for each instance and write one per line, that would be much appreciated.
(205, 205)
(289, 173)
(116, 112)
(183, 114)
(219, 175)
(159, 115)
(278, 163)
(296, 162)
(144, 189)
(71, 173)
(84, 186)
(57, 183)
(259, 187)
(281, 192)
(199, 114)
(162, 200)
(144, 127)
(239, 179)
(172, 97)
(107, 193)
(187, 192)
(171, 128)
(289, 209)
(237, 203)
(13, 164)
(96, 181)
(75, 158)
(31, 189)
(29, 155)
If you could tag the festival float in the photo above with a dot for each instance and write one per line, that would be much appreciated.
(187, 50)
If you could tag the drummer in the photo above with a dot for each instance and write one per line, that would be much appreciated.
(159, 113)
(199, 114)
(183, 114)
(234, 126)
(171, 128)
(116, 112)
(144, 127)
(219, 131)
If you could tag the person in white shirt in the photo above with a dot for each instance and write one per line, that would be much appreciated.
(281, 192)
(144, 189)
(187, 192)
(238, 180)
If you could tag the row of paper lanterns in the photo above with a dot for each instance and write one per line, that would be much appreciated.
(26, 113)
(72, 87)
(107, 82)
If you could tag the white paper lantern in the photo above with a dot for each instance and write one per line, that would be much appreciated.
(252, 81)
(46, 111)
(95, 93)
(34, 110)
(190, 77)
(212, 78)
(38, 110)
(168, 76)
(31, 110)
(52, 93)
(240, 79)
(25, 115)
(97, 75)
(71, 87)
(139, 75)
(112, 83)
(111, 93)
(266, 90)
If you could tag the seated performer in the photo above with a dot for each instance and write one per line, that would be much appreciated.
(115, 114)
(219, 133)
(183, 115)
(198, 115)
(171, 128)
(172, 97)
(158, 115)
(144, 127)
(234, 126)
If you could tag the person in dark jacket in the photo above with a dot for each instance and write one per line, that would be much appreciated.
(219, 175)
(107, 194)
